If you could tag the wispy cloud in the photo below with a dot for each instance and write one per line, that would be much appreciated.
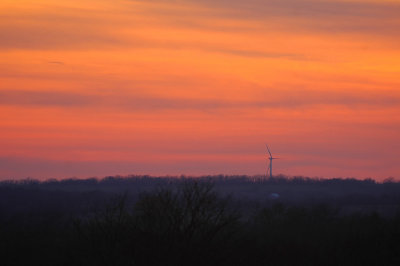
(56, 63)
(88, 29)
(287, 99)
(44, 37)
(372, 17)
(44, 98)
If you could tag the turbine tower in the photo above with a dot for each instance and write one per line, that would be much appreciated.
(269, 169)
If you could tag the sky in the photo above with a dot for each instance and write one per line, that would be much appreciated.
(196, 87)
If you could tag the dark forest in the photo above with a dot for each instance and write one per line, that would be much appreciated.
(212, 220)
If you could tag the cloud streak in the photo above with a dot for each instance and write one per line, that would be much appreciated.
(377, 18)
(274, 99)
(88, 29)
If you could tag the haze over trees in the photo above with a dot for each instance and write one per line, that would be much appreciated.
(219, 220)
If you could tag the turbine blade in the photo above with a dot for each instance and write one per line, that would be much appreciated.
(268, 150)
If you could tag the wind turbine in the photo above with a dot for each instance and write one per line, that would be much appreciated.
(269, 169)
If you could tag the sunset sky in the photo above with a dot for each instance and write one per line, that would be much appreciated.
(169, 87)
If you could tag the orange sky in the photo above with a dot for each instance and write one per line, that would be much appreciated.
(101, 87)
